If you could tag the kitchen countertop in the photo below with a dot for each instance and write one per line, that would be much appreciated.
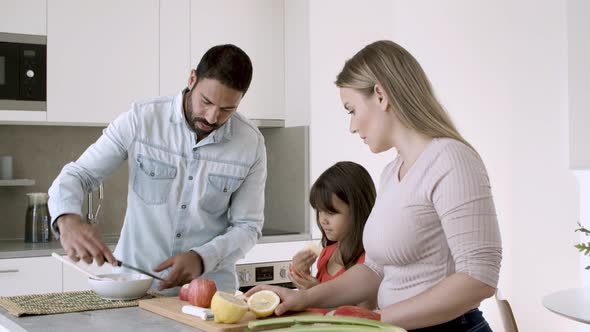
(20, 249)
(123, 319)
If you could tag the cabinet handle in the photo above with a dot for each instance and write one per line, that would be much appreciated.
(9, 271)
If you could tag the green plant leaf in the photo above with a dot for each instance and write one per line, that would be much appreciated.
(582, 229)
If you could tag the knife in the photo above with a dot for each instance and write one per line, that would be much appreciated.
(119, 264)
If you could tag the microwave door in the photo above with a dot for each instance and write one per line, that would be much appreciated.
(9, 78)
(31, 72)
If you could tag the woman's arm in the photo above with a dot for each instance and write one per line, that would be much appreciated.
(446, 301)
(353, 286)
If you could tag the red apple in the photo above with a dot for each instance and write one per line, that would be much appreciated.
(201, 291)
(354, 311)
(183, 294)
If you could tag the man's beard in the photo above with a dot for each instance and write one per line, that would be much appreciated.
(192, 120)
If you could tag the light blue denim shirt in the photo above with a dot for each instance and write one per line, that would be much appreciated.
(207, 197)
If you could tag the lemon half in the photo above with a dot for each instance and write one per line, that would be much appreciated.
(263, 303)
(227, 308)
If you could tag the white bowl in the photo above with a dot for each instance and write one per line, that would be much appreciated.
(124, 286)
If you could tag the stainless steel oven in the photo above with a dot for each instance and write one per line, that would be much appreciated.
(268, 273)
(23, 72)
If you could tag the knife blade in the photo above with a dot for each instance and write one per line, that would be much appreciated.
(119, 263)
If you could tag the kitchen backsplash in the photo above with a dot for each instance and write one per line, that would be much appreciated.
(39, 153)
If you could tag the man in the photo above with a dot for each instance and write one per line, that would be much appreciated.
(197, 171)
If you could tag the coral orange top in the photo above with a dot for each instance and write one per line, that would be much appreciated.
(325, 255)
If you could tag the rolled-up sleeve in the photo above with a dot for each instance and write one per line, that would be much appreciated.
(247, 218)
(66, 193)
(463, 200)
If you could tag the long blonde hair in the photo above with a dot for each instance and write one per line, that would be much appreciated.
(405, 83)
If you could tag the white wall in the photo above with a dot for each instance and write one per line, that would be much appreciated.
(578, 27)
(338, 29)
(500, 69)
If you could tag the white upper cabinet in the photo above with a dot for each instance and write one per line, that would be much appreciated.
(175, 64)
(101, 57)
(23, 16)
(257, 27)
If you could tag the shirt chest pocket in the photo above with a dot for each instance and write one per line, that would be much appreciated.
(153, 180)
(218, 192)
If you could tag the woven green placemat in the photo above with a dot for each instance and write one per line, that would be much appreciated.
(58, 303)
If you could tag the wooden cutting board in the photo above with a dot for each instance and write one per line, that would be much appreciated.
(171, 307)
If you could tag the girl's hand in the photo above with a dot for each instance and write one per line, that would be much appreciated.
(290, 299)
(303, 260)
(302, 281)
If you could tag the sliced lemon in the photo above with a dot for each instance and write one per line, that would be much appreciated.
(227, 308)
(240, 295)
(263, 303)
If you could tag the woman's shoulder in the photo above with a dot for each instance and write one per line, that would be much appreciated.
(452, 152)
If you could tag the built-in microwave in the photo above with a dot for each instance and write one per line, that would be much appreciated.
(23, 72)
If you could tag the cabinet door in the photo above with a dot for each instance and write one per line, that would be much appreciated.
(175, 63)
(74, 280)
(256, 26)
(24, 16)
(101, 56)
(35, 275)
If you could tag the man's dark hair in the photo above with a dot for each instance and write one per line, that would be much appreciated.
(229, 65)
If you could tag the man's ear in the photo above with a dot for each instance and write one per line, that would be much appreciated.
(192, 80)
(381, 96)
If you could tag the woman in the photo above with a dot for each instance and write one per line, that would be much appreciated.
(432, 242)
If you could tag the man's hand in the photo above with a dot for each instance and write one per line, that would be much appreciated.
(185, 267)
(303, 260)
(82, 241)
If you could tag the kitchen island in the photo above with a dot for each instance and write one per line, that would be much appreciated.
(110, 320)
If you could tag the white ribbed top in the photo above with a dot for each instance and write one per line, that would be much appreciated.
(438, 220)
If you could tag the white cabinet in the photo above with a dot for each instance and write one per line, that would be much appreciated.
(74, 280)
(297, 62)
(101, 56)
(36, 275)
(257, 27)
(23, 16)
(175, 61)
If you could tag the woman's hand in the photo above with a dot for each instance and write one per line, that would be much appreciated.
(303, 260)
(302, 281)
(291, 300)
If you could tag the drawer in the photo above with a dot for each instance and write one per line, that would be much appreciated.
(35, 275)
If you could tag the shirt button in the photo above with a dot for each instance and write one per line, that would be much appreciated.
(190, 177)
(178, 235)
(195, 149)
(183, 206)
(152, 174)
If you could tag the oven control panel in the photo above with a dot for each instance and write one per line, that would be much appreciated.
(269, 273)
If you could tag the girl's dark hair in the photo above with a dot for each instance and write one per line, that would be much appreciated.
(229, 65)
(352, 184)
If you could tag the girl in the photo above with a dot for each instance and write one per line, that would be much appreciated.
(343, 197)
